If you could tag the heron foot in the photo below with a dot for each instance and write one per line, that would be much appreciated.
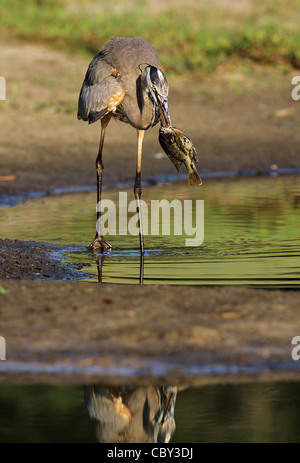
(99, 245)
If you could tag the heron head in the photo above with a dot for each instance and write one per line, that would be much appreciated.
(158, 88)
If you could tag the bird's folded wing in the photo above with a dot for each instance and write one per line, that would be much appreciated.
(99, 99)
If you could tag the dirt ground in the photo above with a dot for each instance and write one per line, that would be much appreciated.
(58, 332)
(237, 121)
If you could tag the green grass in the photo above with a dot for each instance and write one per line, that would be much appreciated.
(190, 40)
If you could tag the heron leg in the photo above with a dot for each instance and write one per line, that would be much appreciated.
(138, 194)
(99, 242)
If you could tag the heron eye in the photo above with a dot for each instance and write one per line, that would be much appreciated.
(154, 88)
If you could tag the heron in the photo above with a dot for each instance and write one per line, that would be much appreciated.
(124, 81)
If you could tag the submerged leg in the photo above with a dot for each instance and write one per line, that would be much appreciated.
(99, 243)
(138, 194)
(100, 260)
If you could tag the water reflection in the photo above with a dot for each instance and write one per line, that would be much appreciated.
(100, 258)
(123, 414)
(239, 412)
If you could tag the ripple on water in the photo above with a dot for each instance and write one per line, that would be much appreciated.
(251, 234)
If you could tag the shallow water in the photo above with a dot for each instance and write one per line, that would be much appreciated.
(261, 412)
(251, 233)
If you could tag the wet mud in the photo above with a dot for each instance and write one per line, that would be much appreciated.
(80, 332)
(29, 260)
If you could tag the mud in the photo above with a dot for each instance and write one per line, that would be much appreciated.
(29, 260)
(60, 332)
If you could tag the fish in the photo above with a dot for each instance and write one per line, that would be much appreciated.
(179, 148)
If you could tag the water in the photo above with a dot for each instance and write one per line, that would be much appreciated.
(254, 412)
(251, 234)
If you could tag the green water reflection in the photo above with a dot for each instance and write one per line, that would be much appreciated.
(251, 233)
(258, 412)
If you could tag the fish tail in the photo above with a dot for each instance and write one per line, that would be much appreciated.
(193, 178)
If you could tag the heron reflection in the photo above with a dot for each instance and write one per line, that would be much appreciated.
(100, 258)
(131, 414)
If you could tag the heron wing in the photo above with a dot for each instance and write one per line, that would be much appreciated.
(102, 91)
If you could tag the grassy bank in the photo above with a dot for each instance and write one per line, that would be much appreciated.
(193, 39)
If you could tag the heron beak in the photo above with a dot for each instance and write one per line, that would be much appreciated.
(169, 407)
(164, 111)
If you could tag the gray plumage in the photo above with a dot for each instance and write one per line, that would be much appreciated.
(117, 81)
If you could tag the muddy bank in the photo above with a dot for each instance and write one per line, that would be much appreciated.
(29, 260)
(62, 332)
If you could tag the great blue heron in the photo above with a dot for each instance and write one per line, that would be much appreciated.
(124, 81)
